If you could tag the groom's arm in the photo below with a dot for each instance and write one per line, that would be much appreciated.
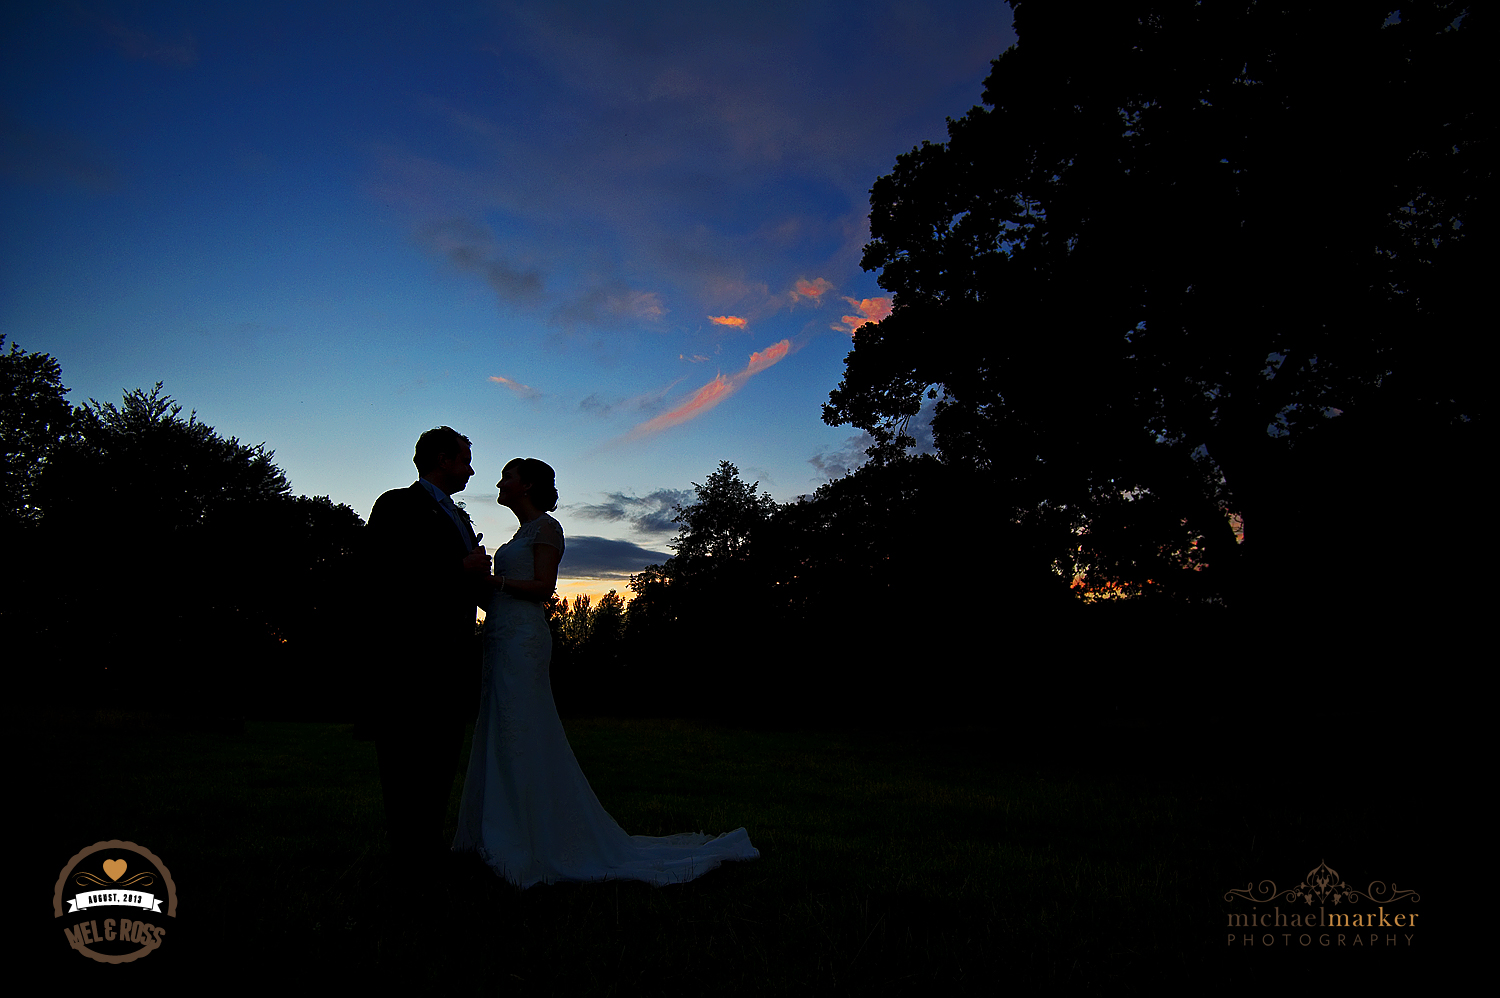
(407, 550)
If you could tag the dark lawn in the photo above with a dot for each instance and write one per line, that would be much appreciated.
(1055, 857)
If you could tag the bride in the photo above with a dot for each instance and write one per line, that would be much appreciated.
(527, 809)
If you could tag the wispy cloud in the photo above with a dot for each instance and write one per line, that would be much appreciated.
(650, 514)
(867, 309)
(727, 320)
(643, 305)
(525, 391)
(612, 307)
(838, 463)
(696, 404)
(646, 403)
(674, 123)
(471, 247)
(711, 394)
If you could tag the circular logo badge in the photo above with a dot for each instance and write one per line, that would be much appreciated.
(113, 900)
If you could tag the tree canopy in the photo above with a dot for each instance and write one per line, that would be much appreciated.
(1191, 269)
(34, 418)
(717, 525)
(140, 463)
(205, 567)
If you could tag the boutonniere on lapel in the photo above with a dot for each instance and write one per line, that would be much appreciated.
(463, 514)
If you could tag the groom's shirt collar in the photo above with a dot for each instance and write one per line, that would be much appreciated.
(446, 502)
(442, 497)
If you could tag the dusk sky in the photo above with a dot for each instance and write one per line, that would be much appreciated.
(622, 238)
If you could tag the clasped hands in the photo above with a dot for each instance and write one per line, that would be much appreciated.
(477, 561)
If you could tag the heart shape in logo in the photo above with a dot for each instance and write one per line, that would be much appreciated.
(114, 868)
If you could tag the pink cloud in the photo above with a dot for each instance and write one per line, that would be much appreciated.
(869, 309)
(814, 290)
(727, 320)
(525, 391)
(762, 359)
(698, 403)
(711, 394)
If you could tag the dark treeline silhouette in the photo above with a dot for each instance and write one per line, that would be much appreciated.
(154, 565)
(1192, 295)
(1198, 264)
(840, 607)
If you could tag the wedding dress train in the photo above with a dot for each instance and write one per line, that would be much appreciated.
(527, 809)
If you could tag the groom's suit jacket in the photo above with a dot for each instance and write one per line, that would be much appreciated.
(424, 651)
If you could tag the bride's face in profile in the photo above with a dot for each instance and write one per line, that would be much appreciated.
(510, 485)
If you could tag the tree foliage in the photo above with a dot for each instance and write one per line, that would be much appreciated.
(825, 604)
(1186, 262)
(608, 624)
(207, 568)
(716, 527)
(145, 468)
(35, 418)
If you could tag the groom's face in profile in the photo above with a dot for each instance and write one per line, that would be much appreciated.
(453, 471)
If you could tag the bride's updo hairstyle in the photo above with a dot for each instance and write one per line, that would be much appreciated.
(542, 479)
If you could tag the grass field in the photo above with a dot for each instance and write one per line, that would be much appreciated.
(969, 861)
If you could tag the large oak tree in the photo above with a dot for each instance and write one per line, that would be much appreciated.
(1193, 266)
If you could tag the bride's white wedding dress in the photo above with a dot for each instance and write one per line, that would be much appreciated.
(527, 809)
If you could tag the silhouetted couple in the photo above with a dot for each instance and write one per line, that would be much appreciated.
(527, 809)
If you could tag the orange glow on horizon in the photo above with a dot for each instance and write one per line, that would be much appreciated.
(594, 589)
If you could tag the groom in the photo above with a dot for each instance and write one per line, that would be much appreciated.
(429, 571)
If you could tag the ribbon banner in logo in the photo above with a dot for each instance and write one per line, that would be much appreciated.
(127, 899)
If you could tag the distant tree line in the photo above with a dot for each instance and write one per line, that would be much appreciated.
(848, 604)
(153, 564)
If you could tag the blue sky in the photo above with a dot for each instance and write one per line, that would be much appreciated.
(621, 238)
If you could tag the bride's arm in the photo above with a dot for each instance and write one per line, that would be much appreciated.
(545, 558)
